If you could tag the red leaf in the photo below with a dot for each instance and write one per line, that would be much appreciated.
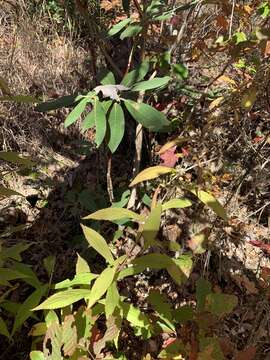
(261, 245)
(169, 158)
(168, 342)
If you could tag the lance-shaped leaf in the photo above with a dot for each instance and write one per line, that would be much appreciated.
(151, 173)
(62, 299)
(151, 226)
(76, 112)
(101, 285)
(136, 75)
(209, 200)
(100, 121)
(25, 309)
(113, 213)
(89, 121)
(176, 204)
(15, 158)
(112, 299)
(118, 27)
(80, 279)
(135, 316)
(131, 30)
(3, 329)
(98, 243)
(64, 101)
(117, 126)
(162, 307)
(146, 115)
(151, 84)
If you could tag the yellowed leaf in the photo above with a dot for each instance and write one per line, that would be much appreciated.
(215, 102)
(151, 173)
(170, 144)
(249, 98)
(226, 79)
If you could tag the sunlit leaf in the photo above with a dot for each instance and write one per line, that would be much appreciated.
(36, 355)
(114, 213)
(209, 200)
(249, 98)
(116, 122)
(135, 316)
(62, 299)
(151, 173)
(89, 121)
(151, 226)
(38, 329)
(95, 240)
(108, 78)
(176, 204)
(151, 84)
(112, 299)
(82, 266)
(101, 285)
(79, 279)
(181, 269)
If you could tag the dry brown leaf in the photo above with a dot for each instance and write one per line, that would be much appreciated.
(248, 354)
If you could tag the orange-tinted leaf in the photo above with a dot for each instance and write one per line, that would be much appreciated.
(169, 157)
(248, 354)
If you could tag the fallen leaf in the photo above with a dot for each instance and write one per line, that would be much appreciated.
(261, 245)
(222, 22)
(169, 157)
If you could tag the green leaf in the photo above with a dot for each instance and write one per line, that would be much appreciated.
(239, 37)
(151, 173)
(209, 200)
(136, 75)
(89, 121)
(76, 112)
(176, 204)
(117, 126)
(106, 104)
(162, 308)
(151, 227)
(203, 288)
(135, 316)
(210, 349)
(118, 27)
(30, 276)
(100, 121)
(101, 285)
(62, 299)
(79, 279)
(146, 115)
(112, 299)
(39, 329)
(220, 304)
(25, 310)
(114, 213)
(82, 266)
(3, 329)
(108, 78)
(36, 355)
(183, 314)
(5, 192)
(64, 101)
(181, 269)
(49, 264)
(151, 84)
(264, 9)
(95, 240)
(131, 30)
(14, 252)
(51, 317)
(7, 274)
(180, 70)
(15, 158)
